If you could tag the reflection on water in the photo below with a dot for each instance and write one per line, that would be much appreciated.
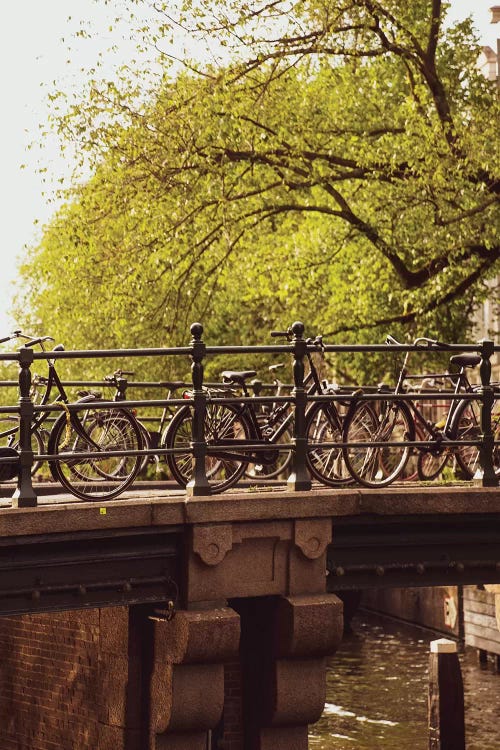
(377, 692)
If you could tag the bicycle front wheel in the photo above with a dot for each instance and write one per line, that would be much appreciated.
(95, 477)
(223, 424)
(386, 424)
(326, 464)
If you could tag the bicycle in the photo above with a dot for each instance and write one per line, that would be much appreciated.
(238, 434)
(111, 437)
(376, 434)
(263, 470)
(151, 439)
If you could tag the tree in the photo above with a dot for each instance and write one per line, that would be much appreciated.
(337, 162)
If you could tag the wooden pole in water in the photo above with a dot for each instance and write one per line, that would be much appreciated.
(446, 697)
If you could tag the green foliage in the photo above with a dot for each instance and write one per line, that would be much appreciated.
(335, 163)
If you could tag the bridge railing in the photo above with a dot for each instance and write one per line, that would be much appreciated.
(198, 352)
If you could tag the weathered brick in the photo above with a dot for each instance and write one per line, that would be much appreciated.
(48, 690)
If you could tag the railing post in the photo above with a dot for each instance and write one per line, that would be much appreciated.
(299, 479)
(199, 484)
(446, 697)
(24, 495)
(487, 398)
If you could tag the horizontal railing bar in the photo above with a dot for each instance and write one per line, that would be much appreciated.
(268, 348)
(77, 406)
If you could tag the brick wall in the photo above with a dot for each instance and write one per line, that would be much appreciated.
(48, 680)
(73, 681)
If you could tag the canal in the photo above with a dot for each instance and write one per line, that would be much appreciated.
(377, 692)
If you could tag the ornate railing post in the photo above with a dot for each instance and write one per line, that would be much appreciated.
(199, 484)
(487, 398)
(24, 496)
(299, 478)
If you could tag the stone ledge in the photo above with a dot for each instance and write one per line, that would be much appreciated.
(154, 509)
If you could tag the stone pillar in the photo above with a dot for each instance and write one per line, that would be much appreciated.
(284, 642)
(186, 694)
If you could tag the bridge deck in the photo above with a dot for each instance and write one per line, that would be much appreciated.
(138, 548)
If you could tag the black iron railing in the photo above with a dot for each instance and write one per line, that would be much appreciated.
(297, 347)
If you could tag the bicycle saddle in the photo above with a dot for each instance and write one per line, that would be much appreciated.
(228, 376)
(465, 360)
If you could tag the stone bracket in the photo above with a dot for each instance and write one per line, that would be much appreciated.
(312, 536)
(212, 542)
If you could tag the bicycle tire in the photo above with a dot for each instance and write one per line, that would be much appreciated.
(8, 423)
(377, 466)
(96, 478)
(430, 464)
(146, 444)
(326, 465)
(466, 425)
(223, 422)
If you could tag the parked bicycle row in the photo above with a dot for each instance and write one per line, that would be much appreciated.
(96, 445)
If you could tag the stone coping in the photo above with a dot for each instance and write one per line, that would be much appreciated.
(153, 508)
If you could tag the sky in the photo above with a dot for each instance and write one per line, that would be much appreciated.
(34, 40)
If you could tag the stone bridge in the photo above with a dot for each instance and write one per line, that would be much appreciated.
(205, 622)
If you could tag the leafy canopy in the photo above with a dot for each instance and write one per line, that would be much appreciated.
(334, 161)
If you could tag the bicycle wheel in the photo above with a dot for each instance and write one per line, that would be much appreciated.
(96, 477)
(466, 425)
(431, 463)
(280, 465)
(324, 425)
(223, 423)
(9, 438)
(377, 422)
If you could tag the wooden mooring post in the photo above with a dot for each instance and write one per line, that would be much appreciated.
(446, 697)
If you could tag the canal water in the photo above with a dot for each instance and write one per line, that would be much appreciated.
(377, 692)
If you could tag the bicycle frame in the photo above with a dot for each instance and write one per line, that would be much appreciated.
(312, 384)
(461, 385)
(40, 417)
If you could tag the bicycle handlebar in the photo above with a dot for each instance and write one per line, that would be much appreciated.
(318, 341)
(39, 340)
(281, 334)
(13, 335)
(391, 341)
(29, 340)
